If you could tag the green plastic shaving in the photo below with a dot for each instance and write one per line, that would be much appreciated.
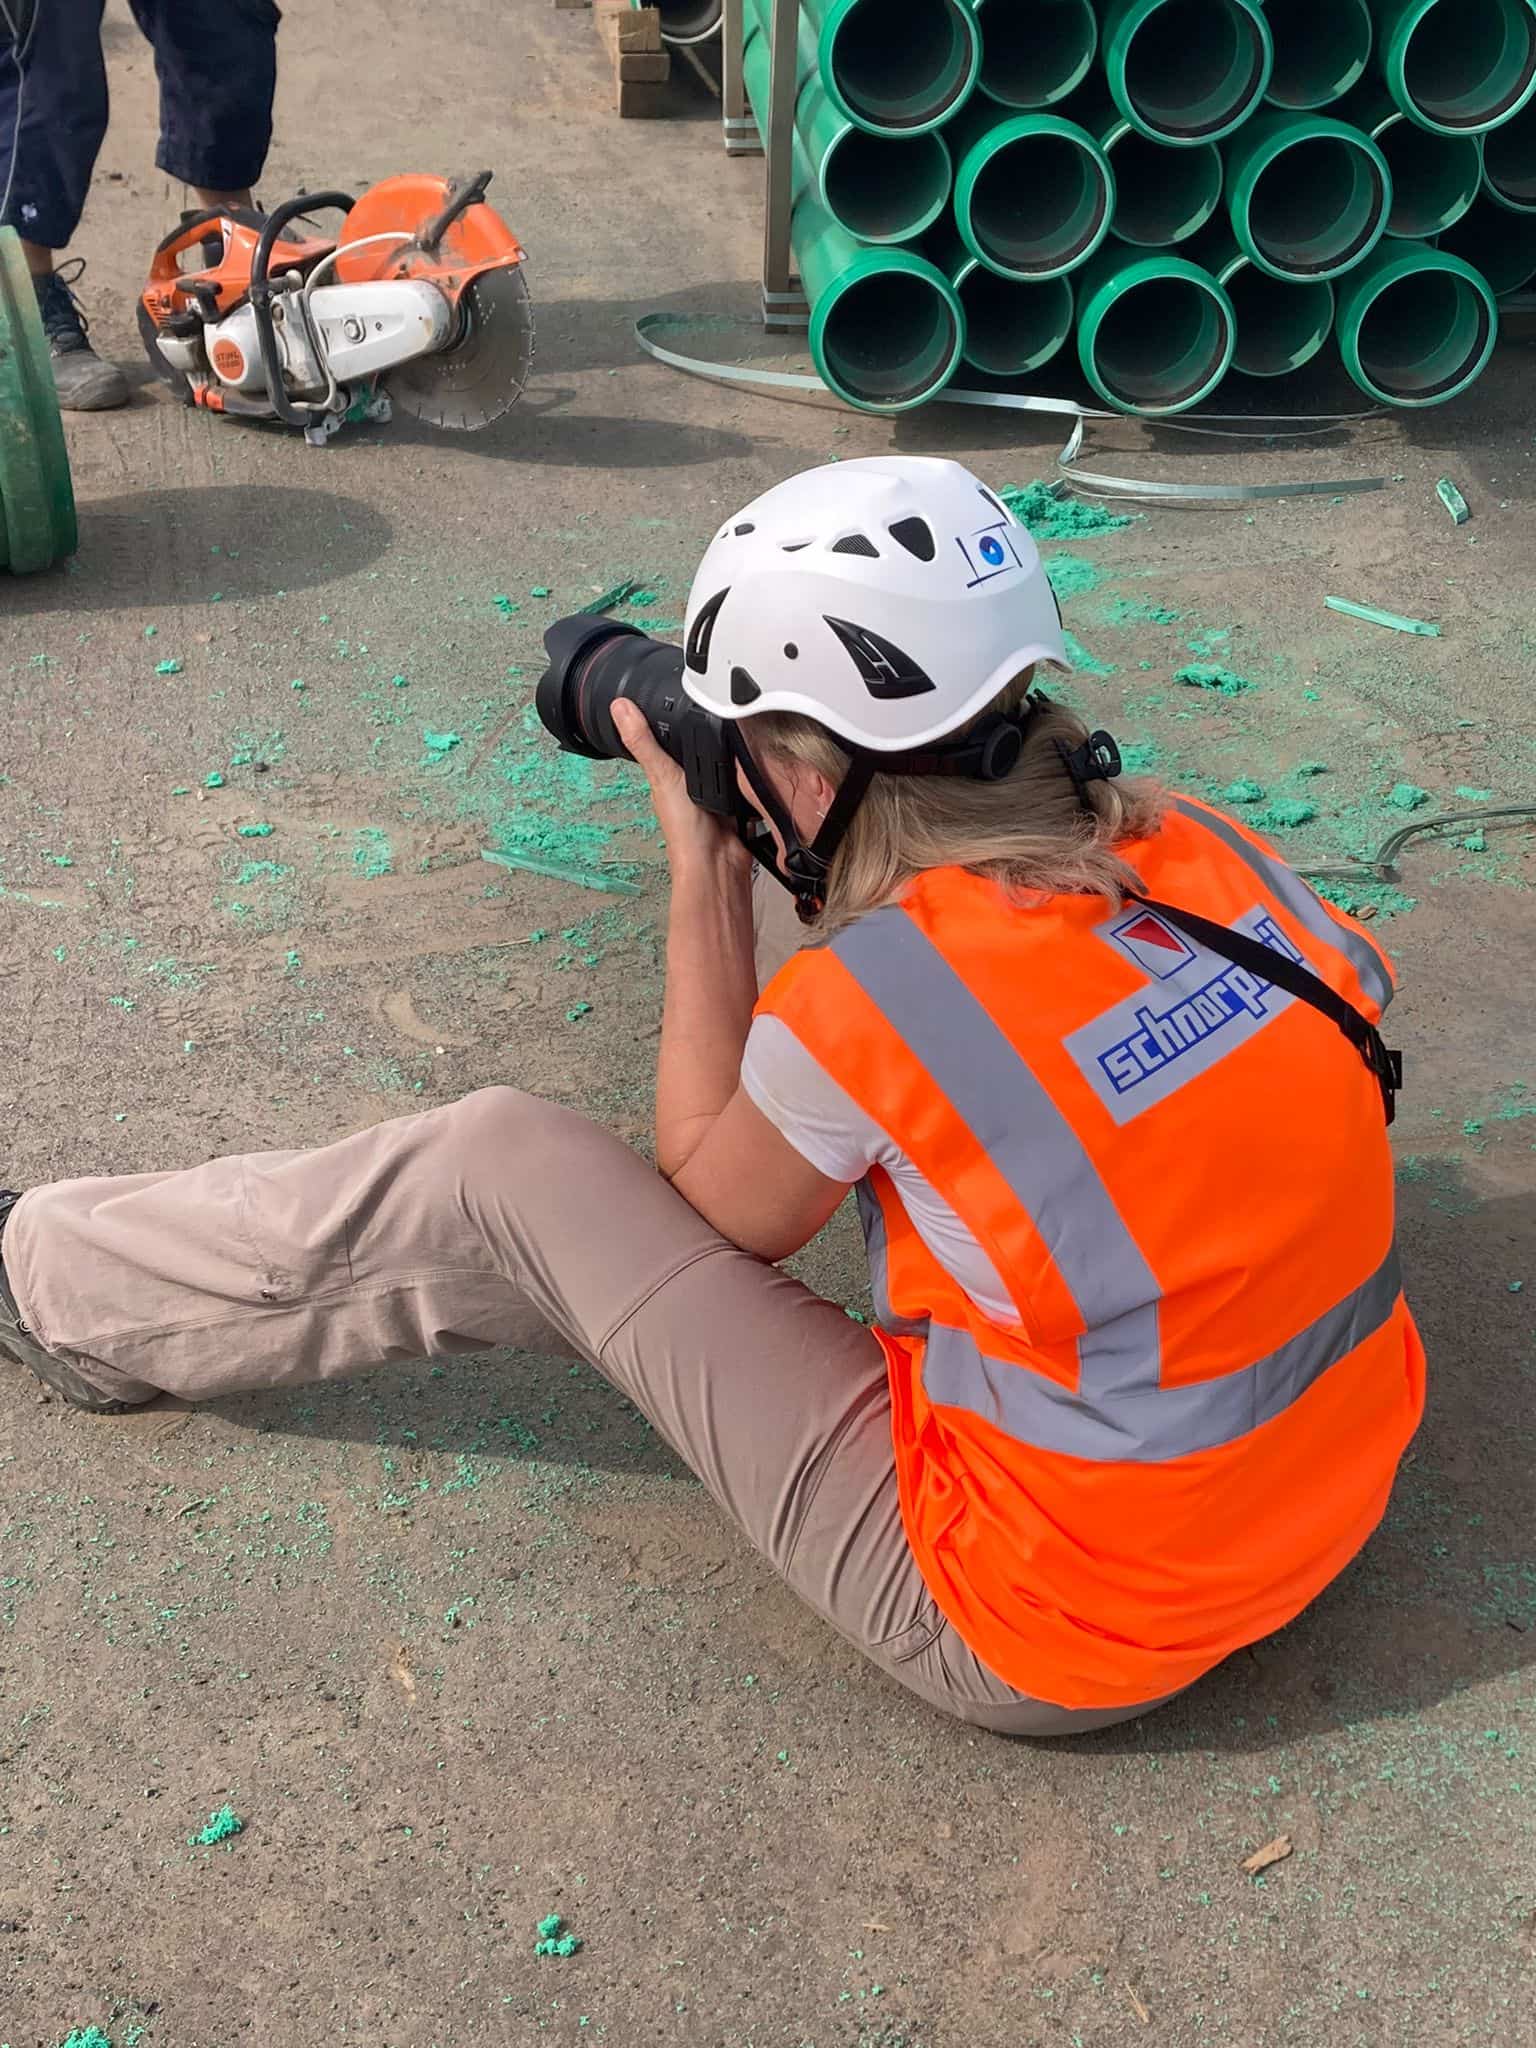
(1051, 515)
(168, 668)
(1473, 796)
(298, 683)
(577, 1011)
(1080, 658)
(221, 1826)
(610, 598)
(256, 831)
(1374, 616)
(551, 1941)
(1072, 575)
(372, 854)
(1285, 814)
(86, 2037)
(213, 781)
(1311, 767)
(1135, 611)
(539, 590)
(1476, 842)
(440, 742)
(585, 878)
(505, 605)
(1407, 796)
(1453, 501)
(400, 682)
(1243, 792)
(1210, 675)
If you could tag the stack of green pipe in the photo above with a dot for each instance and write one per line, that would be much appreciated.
(1174, 187)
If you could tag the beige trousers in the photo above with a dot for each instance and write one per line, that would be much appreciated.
(496, 1221)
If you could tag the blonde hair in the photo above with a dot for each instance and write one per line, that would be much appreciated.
(1029, 832)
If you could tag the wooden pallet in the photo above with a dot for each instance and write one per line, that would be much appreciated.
(641, 62)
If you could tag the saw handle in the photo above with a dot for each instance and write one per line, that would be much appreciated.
(262, 288)
(460, 199)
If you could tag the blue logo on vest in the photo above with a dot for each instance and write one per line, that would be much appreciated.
(1197, 1010)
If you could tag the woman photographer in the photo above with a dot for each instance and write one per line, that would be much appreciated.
(1104, 1072)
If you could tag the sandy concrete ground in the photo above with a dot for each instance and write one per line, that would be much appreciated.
(465, 1648)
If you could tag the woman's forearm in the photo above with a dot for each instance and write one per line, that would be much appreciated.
(711, 990)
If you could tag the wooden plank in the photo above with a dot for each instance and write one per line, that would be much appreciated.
(638, 102)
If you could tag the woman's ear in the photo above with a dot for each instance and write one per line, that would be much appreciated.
(811, 798)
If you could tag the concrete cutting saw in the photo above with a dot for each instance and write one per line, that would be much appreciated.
(419, 301)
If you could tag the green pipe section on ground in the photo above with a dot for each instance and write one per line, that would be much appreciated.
(895, 67)
(1457, 66)
(688, 21)
(882, 188)
(1498, 244)
(1186, 71)
(1034, 194)
(1307, 196)
(1509, 162)
(887, 326)
(1036, 53)
(1155, 333)
(1281, 323)
(1435, 177)
(1416, 325)
(1011, 327)
(1321, 50)
(1162, 195)
(37, 500)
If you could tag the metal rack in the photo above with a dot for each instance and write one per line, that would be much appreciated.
(784, 304)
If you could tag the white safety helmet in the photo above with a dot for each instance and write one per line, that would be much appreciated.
(889, 599)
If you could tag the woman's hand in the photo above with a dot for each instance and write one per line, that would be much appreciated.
(696, 839)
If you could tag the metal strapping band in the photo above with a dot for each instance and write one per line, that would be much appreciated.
(1266, 427)
(1027, 1139)
(1300, 901)
(1151, 1425)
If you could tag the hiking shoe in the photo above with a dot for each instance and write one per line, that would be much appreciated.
(83, 381)
(19, 1345)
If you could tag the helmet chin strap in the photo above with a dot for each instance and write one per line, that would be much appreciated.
(804, 868)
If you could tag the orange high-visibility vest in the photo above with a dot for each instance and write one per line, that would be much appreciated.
(1182, 1176)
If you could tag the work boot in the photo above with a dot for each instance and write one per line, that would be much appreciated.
(83, 381)
(19, 1345)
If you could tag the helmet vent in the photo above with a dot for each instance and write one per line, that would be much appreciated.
(855, 544)
(996, 503)
(746, 526)
(887, 672)
(743, 689)
(702, 632)
(793, 547)
(916, 536)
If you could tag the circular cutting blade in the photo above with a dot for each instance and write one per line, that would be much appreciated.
(481, 372)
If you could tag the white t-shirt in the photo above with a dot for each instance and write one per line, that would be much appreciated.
(829, 1129)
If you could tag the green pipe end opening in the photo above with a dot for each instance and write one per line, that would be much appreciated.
(1320, 52)
(1308, 197)
(1155, 334)
(1012, 327)
(1034, 197)
(1163, 195)
(1499, 245)
(1459, 67)
(1416, 326)
(898, 77)
(1509, 162)
(1187, 71)
(888, 332)
(1034, 56)
(1280, 326)
(885, 188)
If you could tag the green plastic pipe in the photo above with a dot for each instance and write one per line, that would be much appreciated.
(1011, 327)
(1457, 66)
(895, 67)
(1500, 245)
(1306, 195)
(1035, 52)
(1155, 333)
(1321, 50)
(1162, 195)
(1034, 194)
(1416, 325)
(1186, 71)
(887, 327)
(882, 188)
(1280, 325)
(1509, 162)
(1435, 178)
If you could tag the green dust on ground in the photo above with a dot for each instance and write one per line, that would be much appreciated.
(1284, 815)
(1085, 663)
(1050, 516)
(1198, 675)
(1135, 611)
(1072, 575)
(220, 1826)
(255, 831)
(372, 854)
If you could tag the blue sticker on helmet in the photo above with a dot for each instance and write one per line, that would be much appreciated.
(989, 553)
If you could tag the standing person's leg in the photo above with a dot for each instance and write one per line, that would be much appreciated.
(217, 65)
(53, 115)
(490, 1222)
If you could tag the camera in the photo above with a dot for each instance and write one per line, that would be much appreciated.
(592, 661)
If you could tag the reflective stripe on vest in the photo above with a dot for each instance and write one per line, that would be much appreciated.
(877, 1251)
(1119, 1409)
(1299, 900)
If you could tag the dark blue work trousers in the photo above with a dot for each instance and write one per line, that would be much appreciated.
(217, 65)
